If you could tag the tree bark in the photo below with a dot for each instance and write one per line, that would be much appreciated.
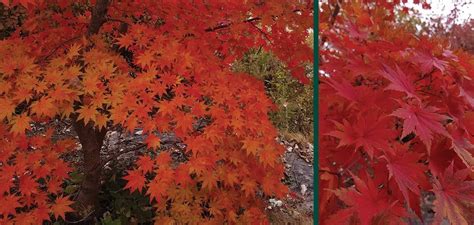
(91, 140)
(98, 18)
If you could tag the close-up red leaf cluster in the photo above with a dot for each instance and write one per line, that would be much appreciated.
(395, 120)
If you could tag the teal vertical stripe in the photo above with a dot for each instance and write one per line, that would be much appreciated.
(315, 113)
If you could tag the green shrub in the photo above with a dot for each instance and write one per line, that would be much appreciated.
(294, 100)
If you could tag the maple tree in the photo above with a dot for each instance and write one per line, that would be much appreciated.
(158, 66)
(396, 111)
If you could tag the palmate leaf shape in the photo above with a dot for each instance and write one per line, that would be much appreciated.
(427, 62)
(41, 213)
(20, 123)
(423, 121)
(145, 163)
(152, 141)
(369, 131)
(348, 91)
(463, 147)
(366, 203)
(8, 108)
(398, 80)
(61, 206)
(10, 203)
(441, 156)
(125, 41)
(408, 173)
(454, 196)
(28, 185)
(135, 180)
(87, 113)
(44, 107)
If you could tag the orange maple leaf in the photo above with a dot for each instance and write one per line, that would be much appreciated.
(153, 142)
(44, 107)
(146, 58)
(61, 206)
(209, 181)
(145, 163)
(251, 146)
(8, 108)
(135, 180)
(156, 189)
(249, 187)
(125, 41)
(87, 113)
(101, 121)
(73, 51)
(20, 123)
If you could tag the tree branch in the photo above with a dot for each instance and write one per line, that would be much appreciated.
(98, 17)
(262, 32)
(332, 20)
(221, 26)
(56, 49)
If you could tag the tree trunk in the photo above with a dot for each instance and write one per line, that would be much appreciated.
(91, 140)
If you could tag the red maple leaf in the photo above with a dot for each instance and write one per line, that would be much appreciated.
(366, 202)
(41, 213)
(423, 121)
(453, 194)
(9, 204)
(398, 80)
(369, 131)
(163, 159)
(463, 147)
(28, 185)
(61, 169)
(145, 163)
(427, 61)
(441, 155)
(408, 173)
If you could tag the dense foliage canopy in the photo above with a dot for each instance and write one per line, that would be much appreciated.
(158, 66)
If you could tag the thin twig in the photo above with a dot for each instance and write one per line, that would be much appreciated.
(221, 26)
(56, 49)
(263, 33)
